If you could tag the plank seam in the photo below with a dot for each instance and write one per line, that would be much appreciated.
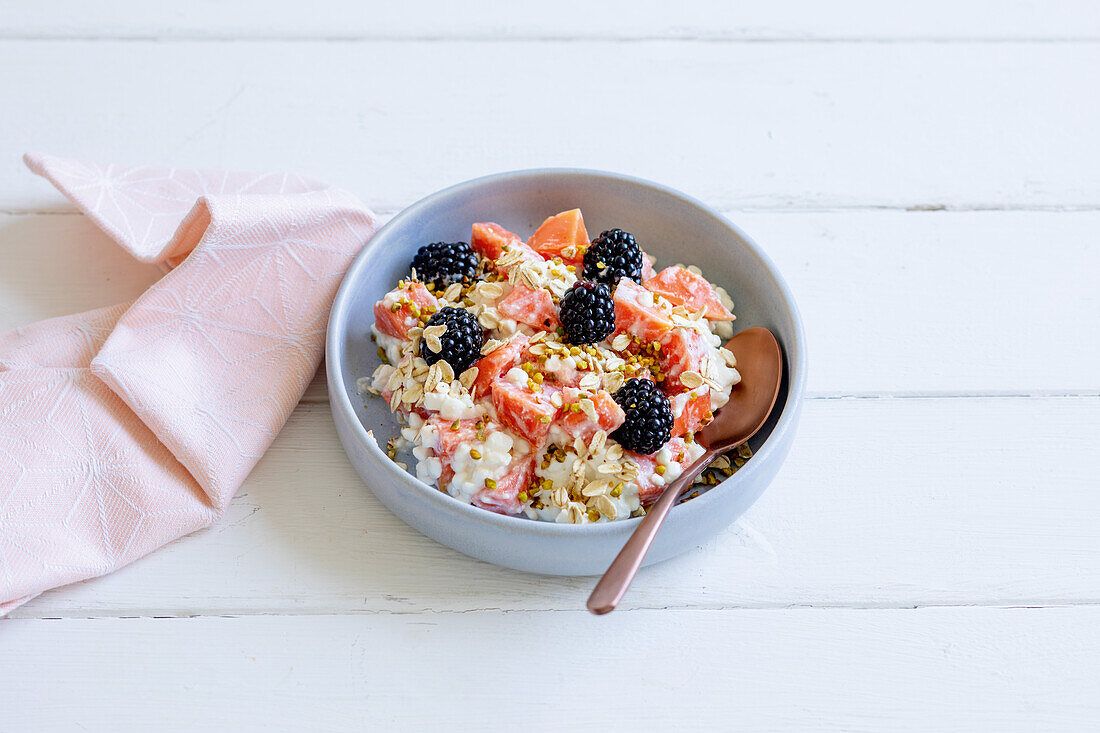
(992, 394)
(88, 615)
(192, 37)
(820, 397)
(786, 208)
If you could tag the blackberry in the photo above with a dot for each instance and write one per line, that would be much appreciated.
(444, 263)
(587, 313)
(648, 424)
(613, 255)
(461, 342)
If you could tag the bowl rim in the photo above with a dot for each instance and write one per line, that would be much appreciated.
(340, 400)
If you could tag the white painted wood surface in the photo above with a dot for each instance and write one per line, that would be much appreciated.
(760, 125)
(806, 670)
(942, 301)
(947, 458)
(570, 19)
(877, 505)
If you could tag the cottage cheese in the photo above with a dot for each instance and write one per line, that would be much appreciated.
(464, 447)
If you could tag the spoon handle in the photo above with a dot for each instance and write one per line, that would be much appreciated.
(612, 586)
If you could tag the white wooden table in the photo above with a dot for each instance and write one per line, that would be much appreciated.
(927, 176)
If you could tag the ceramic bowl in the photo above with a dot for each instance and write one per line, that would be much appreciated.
(670, 226)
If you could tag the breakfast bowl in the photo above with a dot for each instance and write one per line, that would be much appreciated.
(674, 229)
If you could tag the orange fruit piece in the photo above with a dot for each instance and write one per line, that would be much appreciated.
(560, 233)
(489, 239)
(528, 413)
(496, 363)
(504, 499)
(692, 411)
(609, 416)
(448, 441)
(684, 287)
(397, 323)
(648, 491)
(534, 307)
(647, 322)
(682, 349)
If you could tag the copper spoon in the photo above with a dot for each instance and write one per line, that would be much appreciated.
(760, 363)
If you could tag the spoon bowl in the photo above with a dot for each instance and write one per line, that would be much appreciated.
(760, 362)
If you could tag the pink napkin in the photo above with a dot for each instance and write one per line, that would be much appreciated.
(126, 427)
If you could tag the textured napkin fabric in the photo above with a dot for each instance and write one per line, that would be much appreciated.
(126, 427)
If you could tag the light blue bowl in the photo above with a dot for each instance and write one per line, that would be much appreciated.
(669, 225)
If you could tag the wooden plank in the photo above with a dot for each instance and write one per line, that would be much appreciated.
(492, 19)
(894, 302)
(960, 669)
(944, 302)
(961, 125)
(883, 503)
